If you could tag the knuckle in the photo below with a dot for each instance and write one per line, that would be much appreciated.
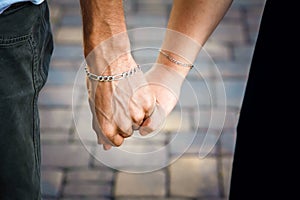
(126, 132)
(148, 104)
(138, 117)
(109, 134)
(109, 131)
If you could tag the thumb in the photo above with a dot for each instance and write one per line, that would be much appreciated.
(154, 121)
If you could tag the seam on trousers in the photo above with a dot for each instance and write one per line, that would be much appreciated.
(34, 102)
(46, 28)
(11, 41)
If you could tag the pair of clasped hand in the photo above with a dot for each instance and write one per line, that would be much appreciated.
(139, 102)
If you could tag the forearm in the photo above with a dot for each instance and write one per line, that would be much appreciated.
(107, 52)
(101, 20)
(104, 34)
(190, 24)
(197, 18)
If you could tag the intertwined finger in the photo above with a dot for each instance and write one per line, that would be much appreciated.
(153, 121)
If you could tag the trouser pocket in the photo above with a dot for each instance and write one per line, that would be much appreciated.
(25, 51)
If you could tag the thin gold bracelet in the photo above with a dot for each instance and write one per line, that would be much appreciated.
(173, 60)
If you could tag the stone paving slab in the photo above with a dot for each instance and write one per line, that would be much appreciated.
(243, 53)
(211, 198)
(145, 56)
(236, 70)
(195, 94)
(55, 14)
(83, 124)
(248, 3)
(234, 92)
(51, 182)
(66, 64)
(72, 19)
(61, 77)
(154, 37)
(156, 138)
(226, 173)
(145, 21)
(229, 32)
(148, 184)
(141, 7)
(219, 51)
(64, 155)
(233, 15)
(86, 190)
(227, 141)
(89, 175)
(57, 118)
(55, 136)
(67, 52)
(66, 3)
(133, 158)
(69, 35)
(183, 182)
(85, 198)
(190, 143)
(253, 14)
(205, 66)
(204, 119)
(177, 121)
(201, 93)
(151, 198)
(57, 96)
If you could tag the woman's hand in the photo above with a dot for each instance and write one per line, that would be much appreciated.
(165, 79)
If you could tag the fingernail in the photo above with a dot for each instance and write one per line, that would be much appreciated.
(106, 147)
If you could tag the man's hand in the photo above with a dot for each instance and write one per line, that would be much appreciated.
(119, 107)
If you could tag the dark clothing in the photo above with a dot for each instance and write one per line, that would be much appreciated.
(265, 123)
(25, 49)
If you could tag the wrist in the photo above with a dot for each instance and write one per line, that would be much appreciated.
(104, 41)
(122, 64)
(110, 56)
(174, 62)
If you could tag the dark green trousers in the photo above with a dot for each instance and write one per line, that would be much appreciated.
(25, 49)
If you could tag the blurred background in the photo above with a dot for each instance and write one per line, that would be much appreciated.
(71, 168)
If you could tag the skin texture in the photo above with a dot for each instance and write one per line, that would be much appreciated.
(195, 20)
(119, 107)
(114, 116)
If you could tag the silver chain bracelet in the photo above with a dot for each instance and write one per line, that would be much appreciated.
(173, 60)
(110, 78)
